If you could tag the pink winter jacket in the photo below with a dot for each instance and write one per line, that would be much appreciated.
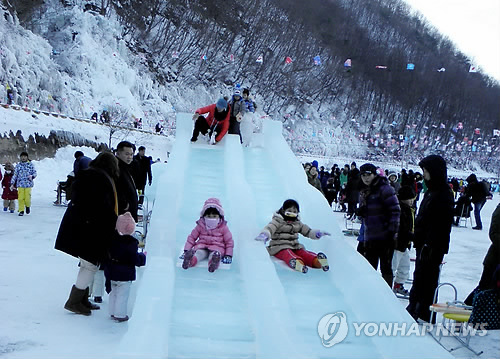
(218, 239)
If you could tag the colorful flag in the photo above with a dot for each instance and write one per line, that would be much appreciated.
(288, 60)
(260, 59)
(496, 132)
(410, 66)
(472, 68)
(380, 67)
(477, 131)
(204, 57)
(175, 55)
(442, 125)
(460, 126)
(348, 63)
(231, 57)
(317, 60)
(442, 69)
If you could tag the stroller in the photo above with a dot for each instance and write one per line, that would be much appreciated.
(463, 208)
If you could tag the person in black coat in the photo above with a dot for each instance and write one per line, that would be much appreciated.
(88, 225)
(352, 189)
(125, 185)
(432, 236)
(142, 171)
(477, 192)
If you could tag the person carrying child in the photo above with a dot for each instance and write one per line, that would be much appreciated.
(283, 230)
(120, 267)
(401, 256)
(211, 238)
(9, 195)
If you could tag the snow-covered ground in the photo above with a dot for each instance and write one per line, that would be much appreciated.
(258, 308)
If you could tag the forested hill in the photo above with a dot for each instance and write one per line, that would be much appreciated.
(214, 43)
(370, 33)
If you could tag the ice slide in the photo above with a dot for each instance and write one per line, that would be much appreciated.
(258, 308)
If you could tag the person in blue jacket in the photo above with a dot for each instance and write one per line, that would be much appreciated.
(23, 177)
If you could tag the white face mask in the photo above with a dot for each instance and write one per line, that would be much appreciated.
(8, 172)
(212, 223)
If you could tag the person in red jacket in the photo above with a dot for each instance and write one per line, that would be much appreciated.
(9, 196)
(216, 123)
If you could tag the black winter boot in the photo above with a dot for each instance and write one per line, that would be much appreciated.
(86, 303)
(74, 302)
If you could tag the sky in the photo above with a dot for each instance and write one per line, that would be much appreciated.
(473, 25)
(240, 312)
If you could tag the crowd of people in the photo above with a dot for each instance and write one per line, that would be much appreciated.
(233, 116)
(386, 204)
(98, 226)
(105, 195)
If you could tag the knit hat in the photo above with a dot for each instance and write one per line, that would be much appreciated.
(125, 224)
(237, 90)
(406, 192)
(368, 168)
(212, 203)
(290, 203)
(315, 164)
(24, 154)
(221, 104)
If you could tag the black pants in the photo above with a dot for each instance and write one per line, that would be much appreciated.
(234, 127)
(380, 251)
(202, 126)
(425, 282)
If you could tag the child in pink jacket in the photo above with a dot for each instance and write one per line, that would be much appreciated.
(210, 238)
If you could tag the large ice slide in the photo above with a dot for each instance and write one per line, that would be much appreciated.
(258, 308)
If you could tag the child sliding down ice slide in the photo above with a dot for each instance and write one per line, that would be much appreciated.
(284, 231)
(210, 238)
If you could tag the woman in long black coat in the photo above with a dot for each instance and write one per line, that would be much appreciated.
(432, 236)
(89, 224)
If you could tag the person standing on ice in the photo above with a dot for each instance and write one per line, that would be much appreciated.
(216, 123)
(23, 177)
(283, 230)
(247, 124)
(9, 196)
(379, 210)
(128, 200)
(432, 236)
(211, 238)
(119, 269)
(401, 256)
(237, 110)
(88, 225)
